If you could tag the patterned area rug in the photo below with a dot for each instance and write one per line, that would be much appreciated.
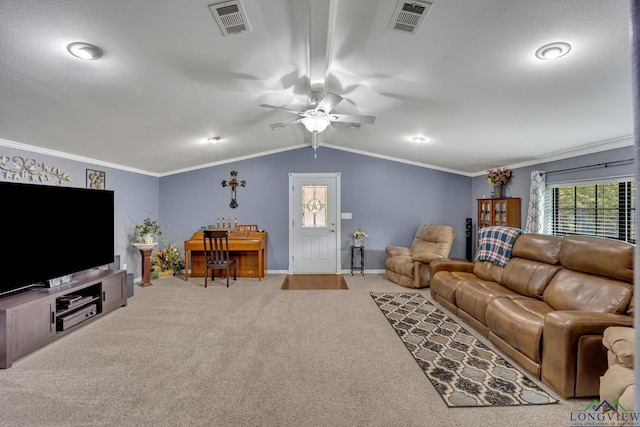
(464, 371)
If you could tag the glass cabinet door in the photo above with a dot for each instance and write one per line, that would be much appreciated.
(484, 214)
(499, 213)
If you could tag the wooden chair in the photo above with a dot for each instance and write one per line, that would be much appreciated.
(216, 252)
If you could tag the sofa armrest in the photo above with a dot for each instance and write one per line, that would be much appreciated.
(561, 347)
(397, 250)
(446, 264)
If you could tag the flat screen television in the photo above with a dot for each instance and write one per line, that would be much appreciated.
(52, 231)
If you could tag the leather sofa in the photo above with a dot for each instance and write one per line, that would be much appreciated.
(410, 266)
(548, 307)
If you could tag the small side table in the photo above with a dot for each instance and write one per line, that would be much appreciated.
(355, 249)
(145, 252)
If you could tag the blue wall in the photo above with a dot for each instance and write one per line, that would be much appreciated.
(387, 199)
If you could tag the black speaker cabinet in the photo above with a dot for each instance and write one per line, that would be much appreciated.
(469, 239)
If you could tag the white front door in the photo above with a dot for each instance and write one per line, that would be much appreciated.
(314, 236)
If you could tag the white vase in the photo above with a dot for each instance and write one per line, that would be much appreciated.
(148, 239)
(357, 242)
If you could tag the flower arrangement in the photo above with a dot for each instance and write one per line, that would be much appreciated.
(359, 234)
(167, 258)
(147, 227)
(499, 176)
(358, 237)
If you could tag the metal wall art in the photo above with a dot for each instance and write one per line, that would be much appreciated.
(29, 168)
(96, 179)
(233, 184)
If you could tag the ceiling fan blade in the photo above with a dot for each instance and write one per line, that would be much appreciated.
(281, 108)
(329, 102)
(348, 118)
(281, 125)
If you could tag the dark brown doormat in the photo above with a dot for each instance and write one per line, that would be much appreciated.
(314, 282)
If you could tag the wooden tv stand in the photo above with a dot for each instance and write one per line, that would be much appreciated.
(32, 318)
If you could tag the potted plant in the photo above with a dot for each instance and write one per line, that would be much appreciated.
(166, 262)
(145, 232)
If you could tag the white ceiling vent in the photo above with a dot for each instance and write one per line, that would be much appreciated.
(408, 16)
(230, 17)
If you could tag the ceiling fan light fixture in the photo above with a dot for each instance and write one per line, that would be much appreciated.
(553, 51)
(84, 50)
(316, 124)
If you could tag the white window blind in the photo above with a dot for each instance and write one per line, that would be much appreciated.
(604, 208)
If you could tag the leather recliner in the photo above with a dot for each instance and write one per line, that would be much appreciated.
(410, 266)
(617, 385)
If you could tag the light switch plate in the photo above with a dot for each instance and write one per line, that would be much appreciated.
(345, 215)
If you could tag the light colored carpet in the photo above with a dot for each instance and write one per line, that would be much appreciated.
(307, 282)
(247, 355)
(465, 372)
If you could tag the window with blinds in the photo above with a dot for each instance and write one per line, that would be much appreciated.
(604, 209)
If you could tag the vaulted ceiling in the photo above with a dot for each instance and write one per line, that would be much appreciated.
(467, 80)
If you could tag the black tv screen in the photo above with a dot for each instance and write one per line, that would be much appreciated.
(52, 231)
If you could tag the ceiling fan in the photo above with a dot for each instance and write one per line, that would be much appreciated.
(317, 118)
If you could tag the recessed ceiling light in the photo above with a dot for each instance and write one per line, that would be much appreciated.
(553, 50)
(419, 139)
(84, 50)
(213, 139)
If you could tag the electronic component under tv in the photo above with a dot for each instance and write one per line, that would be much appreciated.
(52, 231)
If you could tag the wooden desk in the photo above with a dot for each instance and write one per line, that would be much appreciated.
(250, 247)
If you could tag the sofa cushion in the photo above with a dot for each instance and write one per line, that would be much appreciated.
(433, 239)
(473, 296)
(486, 270)
(527, 277)
(432, 242)
(447, 283)
(599, 256)
(573, 290)
(537, 247)
(519, 322)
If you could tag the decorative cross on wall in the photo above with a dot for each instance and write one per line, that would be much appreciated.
(233, 184)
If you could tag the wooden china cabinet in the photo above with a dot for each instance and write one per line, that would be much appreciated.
(504, 212)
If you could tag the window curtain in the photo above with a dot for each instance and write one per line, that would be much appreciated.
(535, 213)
